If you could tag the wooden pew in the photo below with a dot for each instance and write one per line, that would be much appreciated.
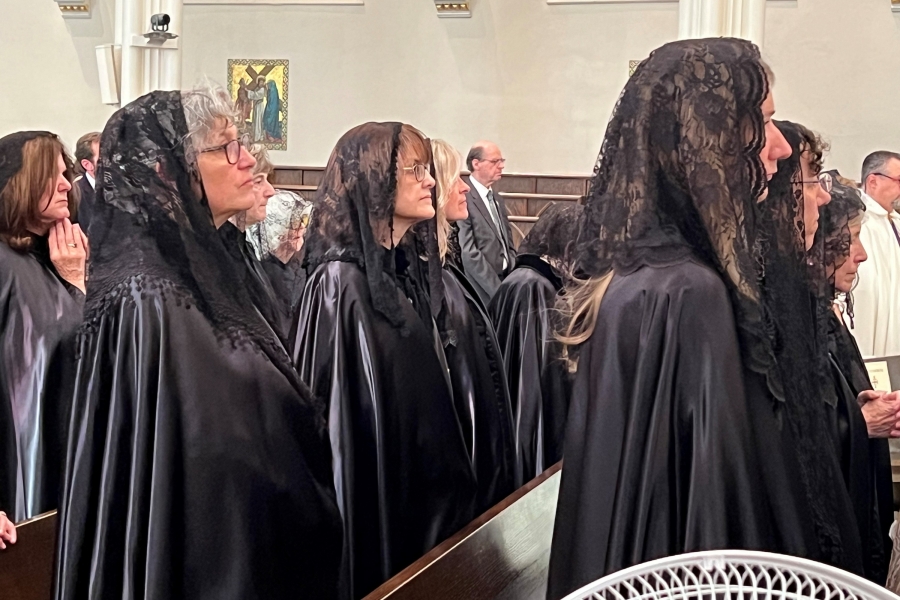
(504, 554)
(26, 567)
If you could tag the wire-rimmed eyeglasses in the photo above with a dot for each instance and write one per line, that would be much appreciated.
(824, 179)
(419, 171)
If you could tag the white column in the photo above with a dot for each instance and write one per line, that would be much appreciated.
(716, 18)
(147, 67)
(132, 78)
(170, 61)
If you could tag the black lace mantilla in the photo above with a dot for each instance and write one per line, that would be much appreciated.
(153, 231)
(679, 173)
(354, 201)
(553, 236)
(793, 284)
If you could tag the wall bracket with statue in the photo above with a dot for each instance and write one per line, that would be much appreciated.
(259, 89)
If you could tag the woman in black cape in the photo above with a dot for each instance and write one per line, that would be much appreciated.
(523, 311)
(367, 344)
(198, 465)
(472, 350)
(862, 419)
(273, 306)
(42, 268)
(680, 435)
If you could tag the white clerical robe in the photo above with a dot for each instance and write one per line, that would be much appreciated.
(876, 298)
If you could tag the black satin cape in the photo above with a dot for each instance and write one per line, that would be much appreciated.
(401, 470)
(40, 316)
(197, 464)
(865, 462)
(665, 452)
(538, 381)
(273, 308)
(479, 390)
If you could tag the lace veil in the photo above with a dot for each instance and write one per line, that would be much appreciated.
(153, 230)
(354, 202)
(281, 233)
(553, 236)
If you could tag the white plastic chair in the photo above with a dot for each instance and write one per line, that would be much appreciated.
(732, 575)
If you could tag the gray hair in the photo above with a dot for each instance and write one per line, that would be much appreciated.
(476, 153)
(876, 162)
(205, 107)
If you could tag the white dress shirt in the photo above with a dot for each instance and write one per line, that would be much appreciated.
(876, 297)
(90, 179)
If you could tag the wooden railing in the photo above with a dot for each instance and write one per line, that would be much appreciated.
(26, 567)
(505, 553)
(526, 195)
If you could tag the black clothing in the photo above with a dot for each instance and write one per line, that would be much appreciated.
(86, 195)
(404, 479)
(366, 342)
(663, 449)
(40, 316)
(685, 430)
(538, 379)
(197, 460)
(479, 390)
(272, 307)
(865, 462)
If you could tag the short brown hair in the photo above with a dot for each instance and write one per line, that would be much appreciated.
(20, 199)
(84, 149)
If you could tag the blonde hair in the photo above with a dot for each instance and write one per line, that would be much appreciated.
(579, 306)
(447, 167)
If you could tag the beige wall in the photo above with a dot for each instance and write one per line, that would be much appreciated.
(49, 78)
(539, 79)
(837, 64)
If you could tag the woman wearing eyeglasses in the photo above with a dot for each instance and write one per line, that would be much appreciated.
(198, 466)
(366, 343)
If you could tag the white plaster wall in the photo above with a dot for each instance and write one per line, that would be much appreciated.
(49, 75)
(540, 80)
(837, 65)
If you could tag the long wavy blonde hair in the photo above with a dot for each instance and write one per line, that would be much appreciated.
(447, 167)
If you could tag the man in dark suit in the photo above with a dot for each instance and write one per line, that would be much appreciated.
(485, 237)
(87, 149)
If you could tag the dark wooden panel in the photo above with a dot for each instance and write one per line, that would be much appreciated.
(311, 177)
(288, 176)
(570, 186)
(522, 184)
(26, 567)
(504, 554)
(516, 206)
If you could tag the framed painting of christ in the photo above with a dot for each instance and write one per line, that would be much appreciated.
(259, 89)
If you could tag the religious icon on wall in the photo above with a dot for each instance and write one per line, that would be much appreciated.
(260, 92)
(632, 66)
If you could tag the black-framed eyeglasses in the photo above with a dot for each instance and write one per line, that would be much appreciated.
(894, 179)
(419, 171)
(824, 179)
(232, 149)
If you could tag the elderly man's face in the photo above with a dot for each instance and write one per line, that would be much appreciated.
(489, 168)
